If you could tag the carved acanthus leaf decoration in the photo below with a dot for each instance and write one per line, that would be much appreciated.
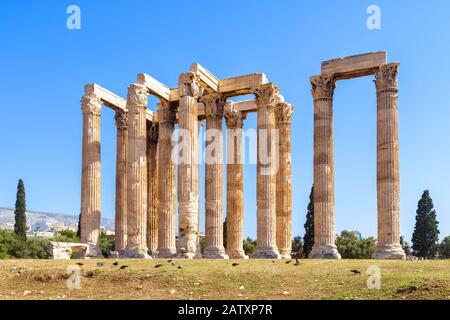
(323, 87)
(386, 76)
(137, 95)
(189, 85)
(91, 103)
(121, 118)
(284, 113)
(234, 118)
(214, 104)
(266, 95)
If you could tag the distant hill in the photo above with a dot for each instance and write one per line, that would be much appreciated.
(35, 217)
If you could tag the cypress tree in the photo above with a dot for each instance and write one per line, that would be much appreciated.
(425, 237)
(308, 239)
(79, 226)
(20, 225)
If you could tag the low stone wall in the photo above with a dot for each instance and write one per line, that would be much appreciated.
(67, 250)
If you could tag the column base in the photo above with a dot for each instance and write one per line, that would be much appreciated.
(136, 253)
(324, 252)
(215, 253)
(266, 253)
(286, 254)
(389, 251)
(93, 252)
(153, 253)
(167, 253)
(237, 254)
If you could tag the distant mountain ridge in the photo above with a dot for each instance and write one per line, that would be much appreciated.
(34, 217)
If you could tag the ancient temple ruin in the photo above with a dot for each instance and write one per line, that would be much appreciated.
(146, 181)
(388, 167)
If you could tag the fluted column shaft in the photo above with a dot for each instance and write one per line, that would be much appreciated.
(121, 182)
(166, 181)
(137, 172)
(324, 237)
(188, 198)
(152, 197)
(91, 174)
(214, 249)
(388, 167)
(266, 246)
(235, 186)
(284, 181)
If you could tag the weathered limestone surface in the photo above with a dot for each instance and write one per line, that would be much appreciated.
(214, 104)
(91, 171)
(121, 182)
(266, 247)
(354, 66)
(188, 198)
(235, 186)
(166, 181)
(284, 181)
(324, 242)
(388, 166)
(137, 173)
(65, 250)
(152, 197)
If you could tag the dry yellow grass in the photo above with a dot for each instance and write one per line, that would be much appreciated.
(214, 279)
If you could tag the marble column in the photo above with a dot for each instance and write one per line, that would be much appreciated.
(388, 166)
(188, 197)
(137, 173)
(166, 181)
(284, 181)
(235, 186)
(152, 196)
(324, 236)
(91, 174)
(266, 247)
(214, 107)
(121, 182)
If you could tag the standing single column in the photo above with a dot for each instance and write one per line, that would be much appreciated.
(188, 208)
(284, 181)
(166, 181)
(267, 163)
(152, 197)
(91, 174)
(388, 166)
(324, 238)
(214, 104)
(235, 186)
(121, 182)
(137, 173)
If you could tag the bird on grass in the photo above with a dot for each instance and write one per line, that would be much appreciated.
(180, 266)
(289, 261)
(159, 265)
(173, 263)
(115, 264)
(100, 264)
(355, 272)
(123, 267)
(80, 264)
(169, 261)
(273, 261)
(235, 264)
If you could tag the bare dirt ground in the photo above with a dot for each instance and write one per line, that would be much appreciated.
(214, 279)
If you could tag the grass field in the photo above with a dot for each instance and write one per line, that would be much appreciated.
(213, 279)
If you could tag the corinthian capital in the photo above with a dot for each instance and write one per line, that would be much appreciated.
(121, 118)
(234, 118)
(323, 87)
(137, 95)
(284, 112)
(91, 103)
(189, 85)
(266, 95)
(166, 112)
(386, 76)
(214, 104)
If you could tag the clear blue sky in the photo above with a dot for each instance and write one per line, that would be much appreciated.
(44, 67)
